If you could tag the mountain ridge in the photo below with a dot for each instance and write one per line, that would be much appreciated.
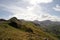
(52, 27)
(15, 29)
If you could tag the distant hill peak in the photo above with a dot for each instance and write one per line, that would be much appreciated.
(2, 20)
(13, 18)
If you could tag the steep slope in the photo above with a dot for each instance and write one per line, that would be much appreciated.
(15, 29)
(52, 27)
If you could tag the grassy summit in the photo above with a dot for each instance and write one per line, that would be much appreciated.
(14, 29)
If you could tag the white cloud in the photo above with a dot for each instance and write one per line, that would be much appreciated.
(32, 11)
(57, 8)
(39, 1)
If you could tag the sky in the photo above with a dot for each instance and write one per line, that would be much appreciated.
(30, 9)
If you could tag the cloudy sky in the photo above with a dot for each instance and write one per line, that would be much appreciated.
(30, 9)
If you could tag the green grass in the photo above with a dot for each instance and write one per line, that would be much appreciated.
(25, 31)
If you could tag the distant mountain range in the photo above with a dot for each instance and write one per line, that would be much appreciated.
(52, 27)
(47, 22)
(15, 29)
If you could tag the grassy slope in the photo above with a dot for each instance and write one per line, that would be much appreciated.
(8, 32)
